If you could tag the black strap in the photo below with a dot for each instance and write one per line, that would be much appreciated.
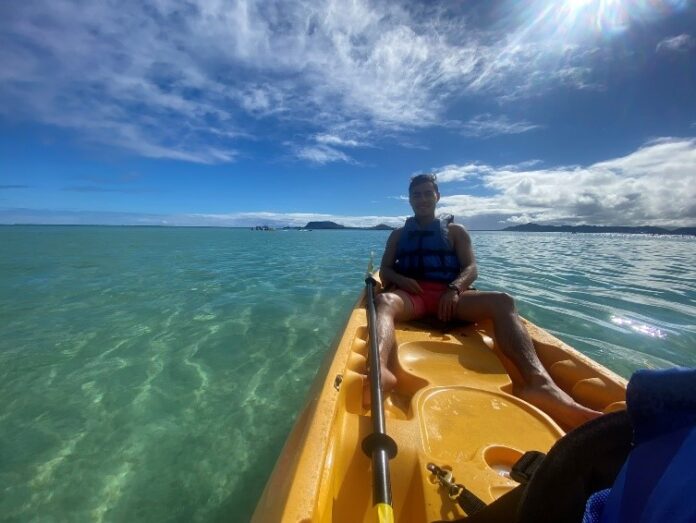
(526, 466)
(522, 472)
(468, 501)
(502, 510)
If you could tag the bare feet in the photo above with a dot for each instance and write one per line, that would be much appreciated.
(547, 396)
(388, 383)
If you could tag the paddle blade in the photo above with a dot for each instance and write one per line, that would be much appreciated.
(385, 513)
(371, 264)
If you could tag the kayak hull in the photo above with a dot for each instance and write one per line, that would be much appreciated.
(453, 406)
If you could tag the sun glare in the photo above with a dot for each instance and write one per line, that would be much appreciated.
(576, 4)
(581, 18)
(594, 15)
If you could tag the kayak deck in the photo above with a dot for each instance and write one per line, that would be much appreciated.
(452, 406)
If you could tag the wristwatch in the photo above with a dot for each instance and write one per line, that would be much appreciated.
(453, 287)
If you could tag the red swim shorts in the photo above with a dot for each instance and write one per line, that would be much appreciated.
(427, 304)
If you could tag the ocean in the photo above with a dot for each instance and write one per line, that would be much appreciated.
(153, 374)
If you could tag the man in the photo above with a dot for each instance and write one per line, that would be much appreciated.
(431, 264)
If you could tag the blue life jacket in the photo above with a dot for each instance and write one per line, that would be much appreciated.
(425, 253)
(656, 484)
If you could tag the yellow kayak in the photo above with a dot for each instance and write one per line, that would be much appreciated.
(453, 406)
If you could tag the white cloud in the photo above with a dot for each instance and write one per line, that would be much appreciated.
(323, 148)
(654, 185)
(247, 219)
(522, 165)
(453, 172)
(487, 125)
(187, 80)
(322, 154)
(680, 43)
(332, 139)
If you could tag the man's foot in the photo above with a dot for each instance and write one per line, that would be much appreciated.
(547, 396)
(388, 383)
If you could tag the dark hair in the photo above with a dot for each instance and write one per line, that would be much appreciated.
(423, 178)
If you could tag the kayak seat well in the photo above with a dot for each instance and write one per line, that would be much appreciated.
(461, 358)
(477, 433)
(477, 420)
(451, 363)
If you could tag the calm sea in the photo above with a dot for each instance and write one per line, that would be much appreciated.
(152, 374)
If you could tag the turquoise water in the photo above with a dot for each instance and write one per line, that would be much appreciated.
(152, 374)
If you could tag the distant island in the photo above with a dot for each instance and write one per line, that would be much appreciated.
(533, 227)
(334, 225)
(311, 226)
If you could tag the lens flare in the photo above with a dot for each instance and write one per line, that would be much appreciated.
(574, 19)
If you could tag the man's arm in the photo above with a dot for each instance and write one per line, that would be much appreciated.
(386, 269)
(461, 242)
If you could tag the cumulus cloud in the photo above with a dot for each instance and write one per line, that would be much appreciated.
(654, 185)
(192, 80)
(453, 172)
(676, 44)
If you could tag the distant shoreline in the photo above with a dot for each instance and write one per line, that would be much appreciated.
(171, 226)
(601, 229)
(579, 229)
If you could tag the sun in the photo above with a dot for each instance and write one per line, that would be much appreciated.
(596, 16)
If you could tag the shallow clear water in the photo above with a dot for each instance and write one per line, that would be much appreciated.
(627, 301)
(151, 374)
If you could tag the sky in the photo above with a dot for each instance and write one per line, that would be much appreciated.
(278, 112)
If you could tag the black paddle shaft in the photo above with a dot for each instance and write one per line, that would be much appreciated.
(378, 445)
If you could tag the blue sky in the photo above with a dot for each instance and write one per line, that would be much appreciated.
(209, 112)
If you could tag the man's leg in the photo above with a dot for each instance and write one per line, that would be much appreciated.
(391, 306)
(530, 379)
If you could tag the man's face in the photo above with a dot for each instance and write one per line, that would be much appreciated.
(423, 198)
